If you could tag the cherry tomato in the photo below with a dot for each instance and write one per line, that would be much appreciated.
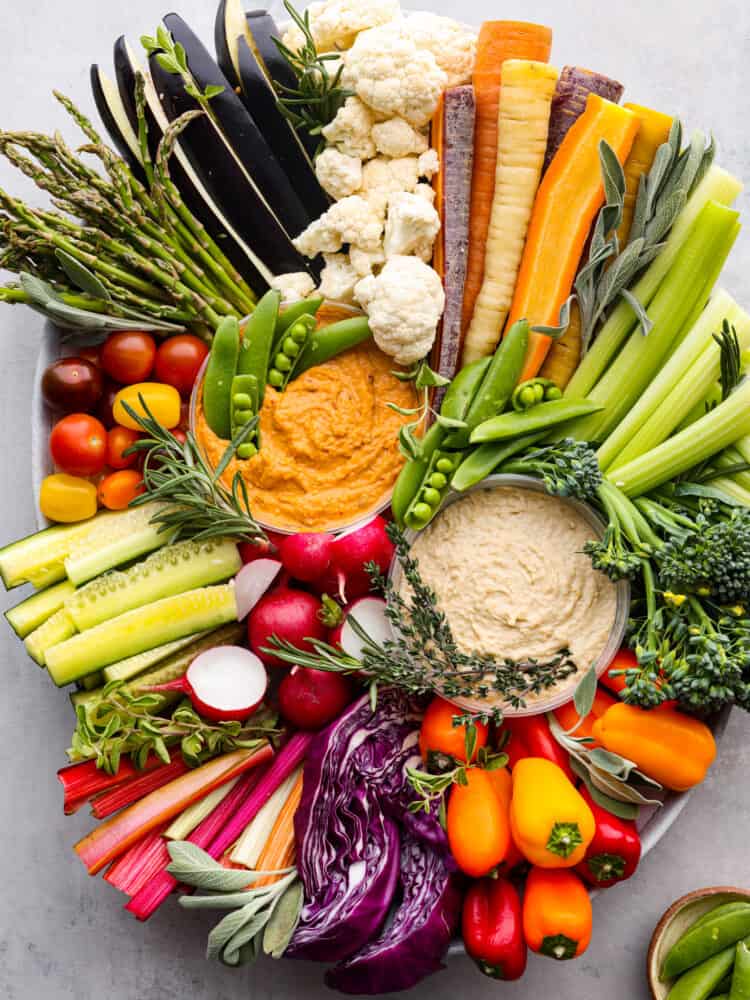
(67, 498)
(72, 385)
(118, 489)
(119, 439)
(91, 354)
(184, 423)
(178, 361)
(78, 445)
(104, 409)
(163, 402)
(179, 435)
(129, 357)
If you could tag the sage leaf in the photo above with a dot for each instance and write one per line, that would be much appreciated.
(645, 322)
(81, 276)
(612, 763)
(555, 332)
(224, 931)
(283, 921)
(233, 950)
(585, 692)
(624, 810)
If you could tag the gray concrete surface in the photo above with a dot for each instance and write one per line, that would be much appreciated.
(64, 936)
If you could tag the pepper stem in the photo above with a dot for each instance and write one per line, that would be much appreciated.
(564, 838)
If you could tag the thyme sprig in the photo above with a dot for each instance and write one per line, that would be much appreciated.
(423, 655)
(316, 99)
(195, 502)
(123, 722)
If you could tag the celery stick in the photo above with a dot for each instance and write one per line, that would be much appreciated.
(730, 486)
(718, 186)
(186, 822)
(642, 356)
(714, 432)
(731, 458)
(687, 375)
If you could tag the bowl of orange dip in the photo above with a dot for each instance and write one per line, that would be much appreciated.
(329, 455)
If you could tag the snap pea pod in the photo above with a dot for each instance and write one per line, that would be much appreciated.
(482, 461)
(497, 385)
(287, 352)
(244, 406)
(741, 976)
(721, 927)
(328, 341)
(700, 982)
(255, 350)
(722, 990)
(432, 490)
(534, 391)
(710, 915)
(290, 315)
(413, 473)
(460, 393)
(221, 369)
(542, 417)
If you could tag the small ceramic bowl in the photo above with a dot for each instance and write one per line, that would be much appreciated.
(679, 918)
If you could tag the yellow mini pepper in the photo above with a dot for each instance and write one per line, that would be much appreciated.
(672, 748)
(551, 823)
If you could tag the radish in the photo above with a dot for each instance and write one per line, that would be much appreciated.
(261, 548)
(251, 583)
(347, 575)
(310, 699)
(292, 615)
(225, 683)
(306, 557)
(369, 613)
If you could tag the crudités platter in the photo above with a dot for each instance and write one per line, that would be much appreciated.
(393, 463)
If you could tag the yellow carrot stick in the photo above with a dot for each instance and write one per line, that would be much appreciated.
(654, 131)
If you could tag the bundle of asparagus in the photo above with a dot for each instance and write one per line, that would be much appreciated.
(113, 251)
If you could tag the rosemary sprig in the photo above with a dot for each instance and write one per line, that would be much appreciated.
(423, 656)
(730, 359)
(123, 723)
(316, 99)
(197, 504)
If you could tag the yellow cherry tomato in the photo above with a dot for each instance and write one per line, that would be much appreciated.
(162, 400)
(67, 498)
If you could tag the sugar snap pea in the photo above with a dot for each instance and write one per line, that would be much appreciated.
(287, 352)
(328, 341)
(412, 475)
(542, 417)
(740, 989)
(482, 461)
(244, 406)
(295, 311)
(723, 926)
(534, 391)
(221, 368)
(432, 489)
(255, 350)
(460, 393)
(699, 982)
(497, 385)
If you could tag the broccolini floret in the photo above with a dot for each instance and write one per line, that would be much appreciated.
(567, 468)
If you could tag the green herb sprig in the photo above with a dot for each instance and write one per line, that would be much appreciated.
(123, 722)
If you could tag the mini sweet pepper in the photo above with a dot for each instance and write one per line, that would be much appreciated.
(615, 851)
(556, 913)
(493, 930)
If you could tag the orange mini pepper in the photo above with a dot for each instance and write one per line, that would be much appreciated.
(438, 734)
(556, 913)
(478, 824)
(550, 821)
(672, 748)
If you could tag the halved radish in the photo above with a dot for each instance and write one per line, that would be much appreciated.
(251, 583)
(369, 614)
(225, 683)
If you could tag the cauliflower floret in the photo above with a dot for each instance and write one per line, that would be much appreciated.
(340, 175)
(335, 24)
(350, 131)
(293, 285)
(429, 163)
(453, 45)
(391, 74)
(364, 262)
(411, 227)
(404, 303)
(382, 177)
(338, 278)
(395, 137)
(351, 220)
(426, 191)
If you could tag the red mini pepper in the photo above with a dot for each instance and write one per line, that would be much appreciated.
(535, 734)
(615, 851)
(493, 928)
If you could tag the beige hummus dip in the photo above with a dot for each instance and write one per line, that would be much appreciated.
(508, 570)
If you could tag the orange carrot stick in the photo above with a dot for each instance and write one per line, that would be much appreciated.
(280, 850)
(566, 205)
(498, 41)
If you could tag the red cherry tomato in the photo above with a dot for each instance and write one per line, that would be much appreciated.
(178, 361)
(73, 385)
(91, 354)
(179, 435)
(118, 489)
(78, 445)
(119, 439)
(129, 357)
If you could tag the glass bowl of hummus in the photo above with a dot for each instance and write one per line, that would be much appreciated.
(506, 564)
(329, 456)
